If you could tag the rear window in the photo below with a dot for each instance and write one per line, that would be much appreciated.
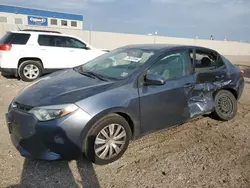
(15, 38)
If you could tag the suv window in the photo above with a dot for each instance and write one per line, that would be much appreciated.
(207, 60)
(15, 38)
(173, 66)
(59, 41)
(74, 43)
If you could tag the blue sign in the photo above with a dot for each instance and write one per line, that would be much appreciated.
(41, 21)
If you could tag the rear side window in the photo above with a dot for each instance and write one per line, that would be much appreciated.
(207, 60)
(15, 38)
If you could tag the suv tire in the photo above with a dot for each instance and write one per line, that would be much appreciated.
(30, 70)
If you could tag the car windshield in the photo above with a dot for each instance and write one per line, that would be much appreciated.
(117, 64)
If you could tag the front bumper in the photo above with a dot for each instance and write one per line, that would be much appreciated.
(51, 140)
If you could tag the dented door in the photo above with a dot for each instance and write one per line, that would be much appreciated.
(210, 74)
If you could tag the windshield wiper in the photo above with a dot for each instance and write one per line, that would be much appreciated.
(93, 75)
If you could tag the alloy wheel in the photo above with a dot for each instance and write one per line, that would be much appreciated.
(110, 141)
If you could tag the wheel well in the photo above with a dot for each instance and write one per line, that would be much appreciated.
(29, 58)
(233, 91)
(128, 119)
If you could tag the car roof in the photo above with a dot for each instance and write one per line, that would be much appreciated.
(38, 32)
(164, 47)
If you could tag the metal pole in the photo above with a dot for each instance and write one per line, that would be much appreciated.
(90, 33)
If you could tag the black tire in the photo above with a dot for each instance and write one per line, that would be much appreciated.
(94, 132)
(26, 63)
(225, 106)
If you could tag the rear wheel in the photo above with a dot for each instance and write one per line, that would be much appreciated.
(108, 140)
(30, 70)
(225, 106)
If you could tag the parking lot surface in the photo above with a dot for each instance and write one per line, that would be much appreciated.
(201, 153)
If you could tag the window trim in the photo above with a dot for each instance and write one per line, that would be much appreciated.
(144, 73)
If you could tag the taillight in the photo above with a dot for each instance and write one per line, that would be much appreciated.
(241, 72)
(5, 47)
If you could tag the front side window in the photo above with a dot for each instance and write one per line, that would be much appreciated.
(117, 64)
(207, 60)
(74, 43)
(172, 66)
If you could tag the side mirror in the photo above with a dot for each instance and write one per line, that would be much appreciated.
(152, 79)
(87, 48)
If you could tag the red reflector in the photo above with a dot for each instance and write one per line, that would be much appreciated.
(241, 72)
(5, 47)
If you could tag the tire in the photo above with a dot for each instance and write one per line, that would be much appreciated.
(91, 151)
(225, 106)
(35, 67)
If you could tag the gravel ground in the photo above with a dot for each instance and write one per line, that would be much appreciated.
(201, 153)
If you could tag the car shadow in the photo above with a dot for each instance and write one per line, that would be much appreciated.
(57, 174)
(7, 76)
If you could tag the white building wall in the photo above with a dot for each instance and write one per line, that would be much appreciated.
(235, 51)
(11, 20)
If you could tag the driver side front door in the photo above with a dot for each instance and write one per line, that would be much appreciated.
(166, 105)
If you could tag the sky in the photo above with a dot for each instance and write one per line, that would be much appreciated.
(174, 18)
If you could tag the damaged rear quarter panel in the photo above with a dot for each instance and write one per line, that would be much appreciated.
(201, 95)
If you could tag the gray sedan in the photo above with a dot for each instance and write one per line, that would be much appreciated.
(97, 108)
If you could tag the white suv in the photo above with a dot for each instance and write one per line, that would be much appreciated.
(28, 54)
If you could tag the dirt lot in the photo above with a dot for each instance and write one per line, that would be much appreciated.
(201, 153)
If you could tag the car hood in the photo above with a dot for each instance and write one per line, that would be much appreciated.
(61, 87)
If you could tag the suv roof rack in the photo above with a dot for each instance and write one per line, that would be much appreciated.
(45, 31)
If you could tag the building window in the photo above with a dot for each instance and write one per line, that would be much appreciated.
(18, 21)
(73, 24)
(53, 22)
(3, 19)
(64, 23)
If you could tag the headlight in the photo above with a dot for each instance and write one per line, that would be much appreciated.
(46, 113)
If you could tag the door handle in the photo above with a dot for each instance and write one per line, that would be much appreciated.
(219, 77)
(188, 85)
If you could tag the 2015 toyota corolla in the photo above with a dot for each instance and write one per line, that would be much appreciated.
(97, 108)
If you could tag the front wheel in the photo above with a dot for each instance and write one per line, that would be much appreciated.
(225, 106)
(108, 140)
